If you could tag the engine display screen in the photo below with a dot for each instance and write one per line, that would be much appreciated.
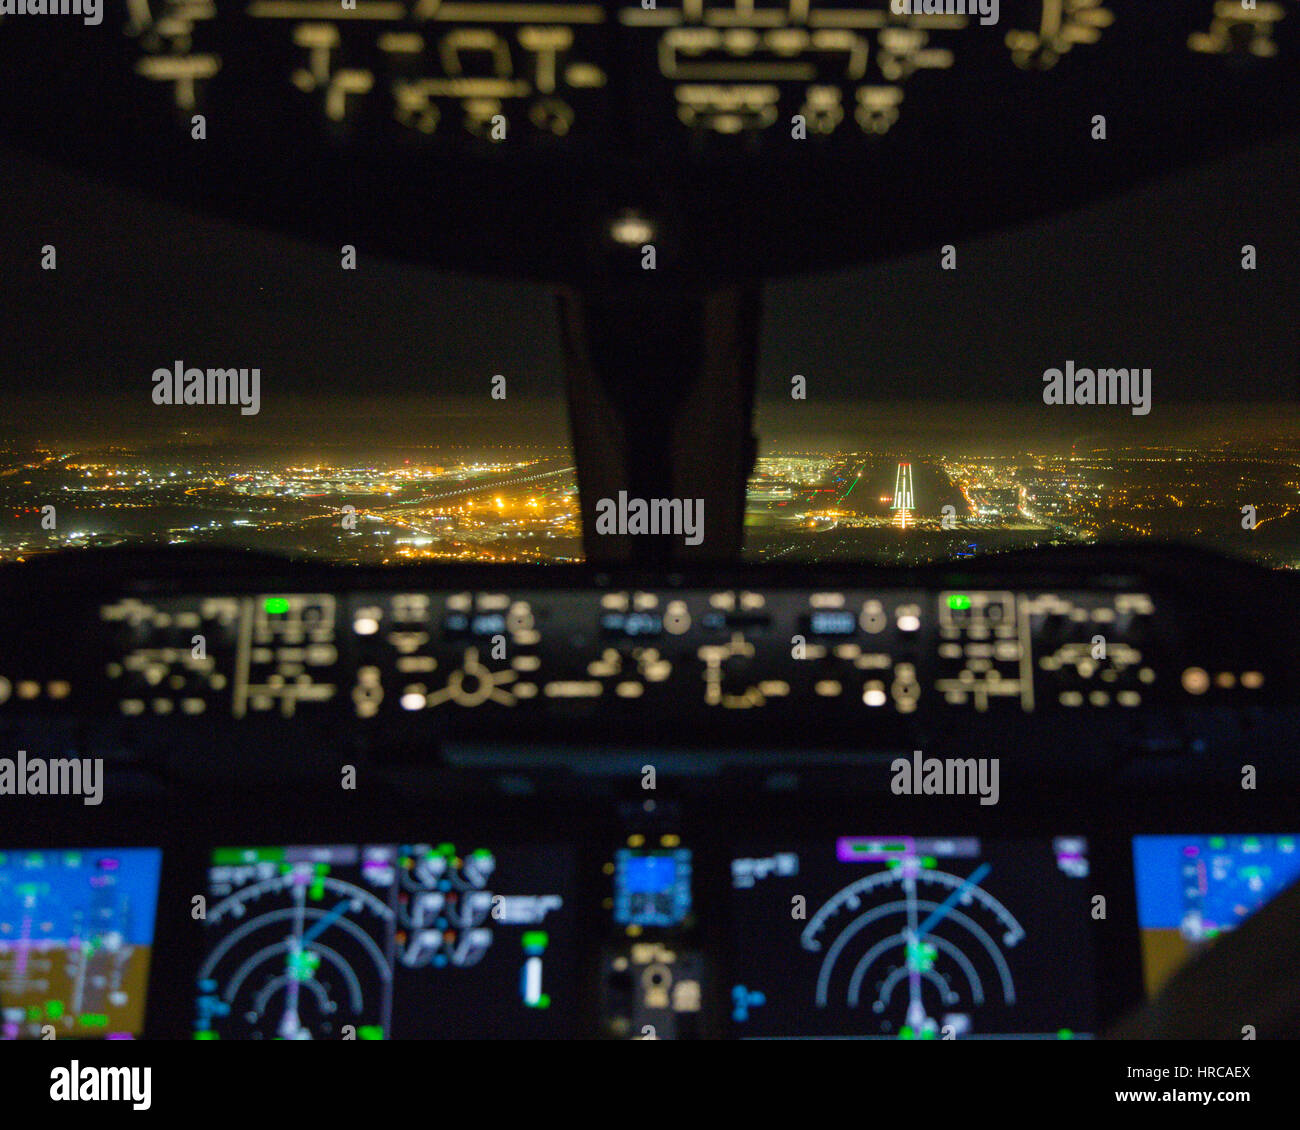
(76, 938)
(387, 941)
(904, 937)
(1191, 889)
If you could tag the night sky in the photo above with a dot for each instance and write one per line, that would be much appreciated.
(1151, 278)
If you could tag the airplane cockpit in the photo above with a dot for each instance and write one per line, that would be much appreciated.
(860, 643)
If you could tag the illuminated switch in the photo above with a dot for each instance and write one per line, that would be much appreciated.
(1240, 30)
(909, 617)
(1062, 25)
(686, 996)
(872, 618)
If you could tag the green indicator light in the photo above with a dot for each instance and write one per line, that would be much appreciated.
(928, 1034)
(206, 1036)
(482, 853)
(93, 1020)
(445, 849)
(276, 605)
(906, 1033)
(544, 1001)
(54, 1009)
(1217, 841)
(535, 939)
(1065, 1034)
(958, 602)
(247, 855)
(894, 864)
(34, 1012)
(929, 861)
(370, 1032)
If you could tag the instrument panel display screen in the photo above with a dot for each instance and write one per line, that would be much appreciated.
(387, 941)
(76, 940)
(1192, 889)
(652, 888)
(908, 937)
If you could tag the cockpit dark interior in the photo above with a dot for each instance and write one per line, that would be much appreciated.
(695, 723)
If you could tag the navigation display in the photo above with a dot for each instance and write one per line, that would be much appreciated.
(914, 938)
(76, 939)
(384, 941)
(1192, 889)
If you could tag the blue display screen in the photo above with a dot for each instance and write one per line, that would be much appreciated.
(76, 937)
(652, 888)
(649, 873)
(833, 623)
(1193, 888)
